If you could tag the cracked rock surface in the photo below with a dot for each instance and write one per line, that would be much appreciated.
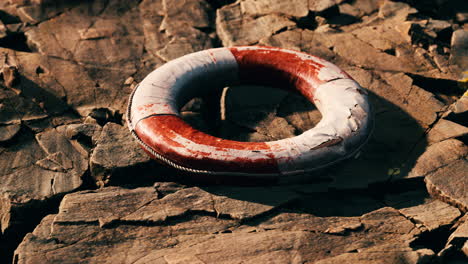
(75, 187)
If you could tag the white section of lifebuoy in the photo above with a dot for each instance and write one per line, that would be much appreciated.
(179, 80)
(344, 111)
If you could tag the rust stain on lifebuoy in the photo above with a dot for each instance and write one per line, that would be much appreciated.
(160, 133)
(279, 69)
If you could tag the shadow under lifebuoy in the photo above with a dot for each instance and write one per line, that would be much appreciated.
(349, 188)
(395, 144)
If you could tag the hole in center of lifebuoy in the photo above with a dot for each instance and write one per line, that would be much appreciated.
(251, 113)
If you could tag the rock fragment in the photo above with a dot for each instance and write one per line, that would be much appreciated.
(359, 8)
(396, 10)
(7, 132)
(439, 155)
(3, 30)
(184, 31)
(458, 111)
(445, 129)
(449, 184)
(459, 49)
(115, 150)
(459, 238)
(432, 214)
(34, 172)
(295, 8)
(322, 5)
(235, 29)
(10, 71)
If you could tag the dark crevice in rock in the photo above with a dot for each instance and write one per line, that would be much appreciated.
(459, 118)
(352, 202)
(379, 190)
(437, 9)
(262, 217)
(105, 115)
(143, 174)
(163, 189)
(8, 18)
(342, 20)
(307, 22)
(206, 30)
(390, 52)
(13, 140)
(283, 29)
(88, 181)
(15, 41)
(442, 89)
(215, 4)
(444, 37)
(434, 240)
(169, 221)
(27, 217)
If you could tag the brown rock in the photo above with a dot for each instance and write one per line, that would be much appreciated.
(86, 58)
(173, 223)
(359, 8)
(321, 5)
(461, 106)
(33, 170)
(182, 28)
(383, 37)
(445, 129)
(396, 10)
(459, 49)
(439, 155)
(347, 46)
(420, 104)
(459, 237)
(9, 70)
(109, 50)
(296, 8)
(235, 29)
(432, 214)
(38, 11)
(449, 184)
(7, 132)
(14, 108)
(301, 40)
(3, 30)
(90, 132)
(387, 253)
(116, 149)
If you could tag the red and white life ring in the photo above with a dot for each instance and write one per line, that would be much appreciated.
(154, 119)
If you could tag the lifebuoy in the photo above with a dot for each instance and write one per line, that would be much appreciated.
(153, 112)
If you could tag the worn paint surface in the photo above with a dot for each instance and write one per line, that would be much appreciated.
(345, 126)
(284, 69)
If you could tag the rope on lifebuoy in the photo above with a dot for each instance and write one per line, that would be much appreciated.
(154, 119)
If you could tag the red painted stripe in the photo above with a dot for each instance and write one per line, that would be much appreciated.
(274, 67)
(168, 127)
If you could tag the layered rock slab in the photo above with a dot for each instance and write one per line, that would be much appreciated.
(35, 172)
(170, 223)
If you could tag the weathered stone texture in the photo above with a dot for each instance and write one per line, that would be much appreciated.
(67, 69)
(194, 225)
